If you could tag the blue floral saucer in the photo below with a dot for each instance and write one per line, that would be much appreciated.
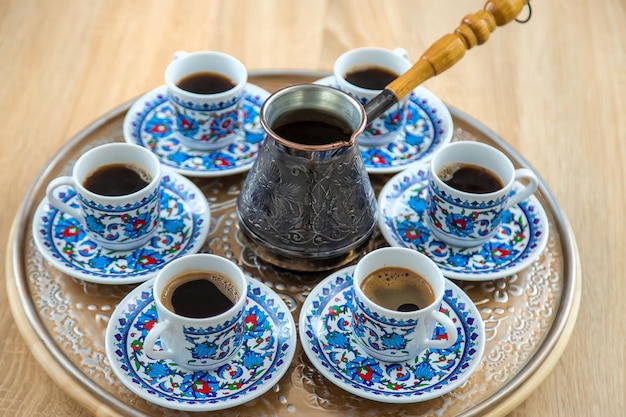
(520, 239)
(183, 228)
(150, 122)
(325, 336)
(428, 128)
(268, 348)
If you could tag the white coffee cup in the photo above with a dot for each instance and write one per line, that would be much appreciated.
(463, 218)
(198, 343)
(119, 222)
(391, 335)
(206, 121)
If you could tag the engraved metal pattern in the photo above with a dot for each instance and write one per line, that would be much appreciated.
(523, 312)
(306, 207)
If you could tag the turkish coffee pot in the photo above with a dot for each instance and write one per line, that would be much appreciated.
(307, 203)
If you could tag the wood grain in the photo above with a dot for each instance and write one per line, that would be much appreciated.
(475, 29)
(554, 88)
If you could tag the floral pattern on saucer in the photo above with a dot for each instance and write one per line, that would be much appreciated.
(428, 127)
(521, 238)
(326, 338)
(268, 348)
(151, 122)
(183, 227)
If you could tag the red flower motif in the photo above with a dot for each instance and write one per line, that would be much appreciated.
(333, 311)
(413, 234)
(365, 372)
(459, 224)
(185, 124)
(147, 260)
(149, 324)
(250, 322)
(221, 162)
(501, 253)
(201, 386)
(70, 231)
(138, 224)
(158, 128)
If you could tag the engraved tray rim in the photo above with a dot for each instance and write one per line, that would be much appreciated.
(86, 392)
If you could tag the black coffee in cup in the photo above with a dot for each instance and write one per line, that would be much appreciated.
(372, 78)
(206, 83)
(200, 294)
(470, 178)
(117, 179)
(398, 289)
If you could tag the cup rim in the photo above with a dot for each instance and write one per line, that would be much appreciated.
(402, 314)
(78, 182)
(234, 310)
(171, 83)
(432, 172)
(340, 75)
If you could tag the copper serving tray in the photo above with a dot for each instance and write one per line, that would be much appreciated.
(529, 316)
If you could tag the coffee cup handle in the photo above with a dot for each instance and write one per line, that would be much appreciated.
(527, 191)
(151, 339)
(57, 202)
(451, 332)
(402, 52)
(179, 54)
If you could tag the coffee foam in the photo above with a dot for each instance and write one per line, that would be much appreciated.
(391, 287)
(390, 278)
(141, 171)
(446, 172)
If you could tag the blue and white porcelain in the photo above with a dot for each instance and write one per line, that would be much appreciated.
(325, 334)
(206, 122)
(115, 221)
(470, 219)
(198, 343)
(267, 351)
(151, 122)
(183, 226)
(519, 240)
(428, 127)
(389, 334)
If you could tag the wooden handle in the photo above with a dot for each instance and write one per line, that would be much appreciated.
(448, 50)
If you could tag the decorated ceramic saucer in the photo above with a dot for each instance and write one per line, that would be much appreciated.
(183, 228)
(150, 122)
(520, 239)
(428, 128)
(325, 336)
(268, 348)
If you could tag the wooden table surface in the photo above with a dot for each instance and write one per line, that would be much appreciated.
(554, 88)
